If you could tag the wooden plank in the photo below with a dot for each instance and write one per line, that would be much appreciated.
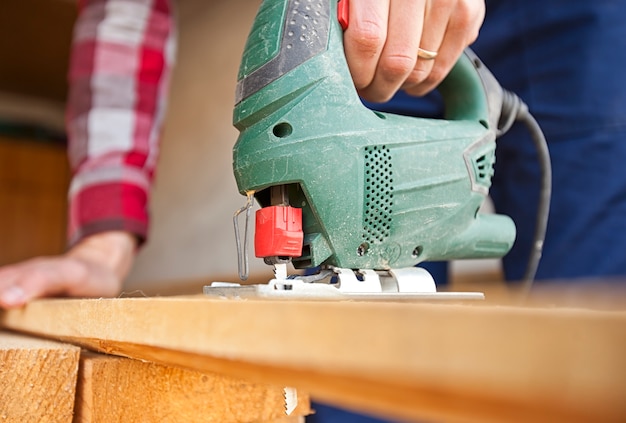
(117, 389)
(37, 379)
(409, 360)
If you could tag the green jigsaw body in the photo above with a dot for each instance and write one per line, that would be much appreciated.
(377, 190)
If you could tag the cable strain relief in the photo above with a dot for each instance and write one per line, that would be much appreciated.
(512, 108)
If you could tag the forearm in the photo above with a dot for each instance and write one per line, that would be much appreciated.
(122, 55)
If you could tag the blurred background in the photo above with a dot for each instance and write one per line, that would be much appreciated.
(192, 240)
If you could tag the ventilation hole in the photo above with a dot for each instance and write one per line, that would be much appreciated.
(483, 168)
(379, 204)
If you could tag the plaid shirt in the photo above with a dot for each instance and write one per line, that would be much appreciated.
(122, 54)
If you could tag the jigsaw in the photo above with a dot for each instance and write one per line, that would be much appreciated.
(356, 198)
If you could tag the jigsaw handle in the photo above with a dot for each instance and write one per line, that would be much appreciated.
(468, 105)
(471, 92)
(288, 33)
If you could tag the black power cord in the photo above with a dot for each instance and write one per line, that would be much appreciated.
(515, 110)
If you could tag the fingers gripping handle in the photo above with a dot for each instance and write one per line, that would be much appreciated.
(286, 34)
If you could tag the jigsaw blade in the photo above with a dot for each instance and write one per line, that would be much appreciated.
(291, 399)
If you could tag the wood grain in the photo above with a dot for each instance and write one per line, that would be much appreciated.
(116, 389)
(37, 379)
(413, 361)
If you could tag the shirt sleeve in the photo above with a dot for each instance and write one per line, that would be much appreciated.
(122, 55)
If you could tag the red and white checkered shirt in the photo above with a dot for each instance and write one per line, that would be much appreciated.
(122, 54)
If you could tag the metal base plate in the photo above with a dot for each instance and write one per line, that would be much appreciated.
(409, 284)
(332, 294)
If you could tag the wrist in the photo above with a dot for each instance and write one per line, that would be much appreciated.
(114, 249)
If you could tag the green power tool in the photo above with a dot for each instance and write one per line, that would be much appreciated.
(358, 194)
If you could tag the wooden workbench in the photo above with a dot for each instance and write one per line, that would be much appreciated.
(543, 360)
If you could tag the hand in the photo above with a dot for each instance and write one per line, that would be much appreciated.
(95, 267)
(383, 37)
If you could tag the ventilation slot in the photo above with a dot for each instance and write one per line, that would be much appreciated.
(483, 166)
(378, 194)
